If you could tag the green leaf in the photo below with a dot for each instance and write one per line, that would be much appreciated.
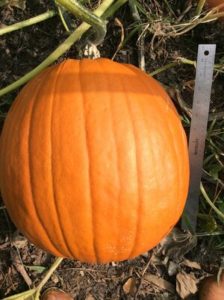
(38, 269)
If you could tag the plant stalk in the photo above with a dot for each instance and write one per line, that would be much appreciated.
(47, 15)
(201, 4)
(47, 277)
(87, 16)
(206, 197)
(113, 8)
(141, 35)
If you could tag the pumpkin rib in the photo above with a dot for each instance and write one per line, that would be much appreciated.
(117, 163)
(88, 151)
(117, 158)
(75, 251)
(14, 121)
(29, 163)
(157, 180)
(54, 194)
(159, 90)
(15, 118)
(138, 211)
(166, 102)
(172, 140)
(178, 164)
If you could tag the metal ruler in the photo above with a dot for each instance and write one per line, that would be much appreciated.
(198, 131)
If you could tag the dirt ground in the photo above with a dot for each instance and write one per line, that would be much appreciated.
(175, 268)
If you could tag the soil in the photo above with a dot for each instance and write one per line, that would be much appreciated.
(180, 262)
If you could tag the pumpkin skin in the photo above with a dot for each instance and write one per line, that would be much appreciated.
(94, 161)
(212, 290)
(214, 3)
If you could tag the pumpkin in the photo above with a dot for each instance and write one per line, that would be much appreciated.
(94, 161)
(55, 294)
(212, 290)
(214, 3)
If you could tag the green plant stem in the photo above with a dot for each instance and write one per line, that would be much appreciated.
(22, 296)
(201, 4)
(60, 12)
(169, 8)
(47, 277)
(47, 15)
(203, 234)
(141, 35)
(87, 16)
(217, 67)
(164, 68)
(58, 52)
(35, 292)
(206, 197)
(113, 8)
(187, 61)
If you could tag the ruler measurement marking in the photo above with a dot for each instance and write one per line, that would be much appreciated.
(198, 130)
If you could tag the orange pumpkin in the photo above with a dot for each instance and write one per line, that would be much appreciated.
(55, 294)
(212, 290)
(94, 161)
(214, 3)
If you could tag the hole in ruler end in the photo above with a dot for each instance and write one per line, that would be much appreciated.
(206, 52)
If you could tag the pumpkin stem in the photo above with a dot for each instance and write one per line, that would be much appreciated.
(47, 15)
(87, 16)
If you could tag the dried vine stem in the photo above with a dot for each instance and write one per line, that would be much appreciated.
(174, 30)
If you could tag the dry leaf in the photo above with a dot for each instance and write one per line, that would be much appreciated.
(129, 286)
(160, 282)
(177, 244)
(19, 242)
(186, 285)
(17, 262)
(155, 260)
(16, 3)
(89, 297)
(172, 268)
(54, 278)
(191, 264)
